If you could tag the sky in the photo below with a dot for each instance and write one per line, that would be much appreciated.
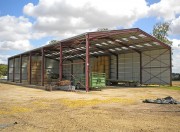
(28, 24)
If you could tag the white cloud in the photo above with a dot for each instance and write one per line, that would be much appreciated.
(166, 9)
(175, 26)
(13, 28)
(176, 55)
(15, 33)
(67, 17)
(3, 59)
(22, 45)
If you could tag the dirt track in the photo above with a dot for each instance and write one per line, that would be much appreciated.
(113, 109)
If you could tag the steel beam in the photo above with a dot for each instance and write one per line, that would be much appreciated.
(60, 63)
(42, 67)
(87, 62)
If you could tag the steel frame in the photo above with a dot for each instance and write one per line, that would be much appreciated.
(87, 41)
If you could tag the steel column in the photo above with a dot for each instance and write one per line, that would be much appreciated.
(117, 69)
(140, 54)
(71, 70)
(60, 63)
(87, 62)
(20, 78)
(13, 69)
(42, 67)
(8, 71)
(170, 66)
(30, 68)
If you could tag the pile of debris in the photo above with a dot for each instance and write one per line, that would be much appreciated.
(63, 83)
(166, 100)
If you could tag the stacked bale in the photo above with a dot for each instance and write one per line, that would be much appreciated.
(101, 65)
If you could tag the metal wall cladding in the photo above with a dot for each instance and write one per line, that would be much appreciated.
(91, 64)
(78, 69)
(11, 76)
(129, 67)
(156, 67)
(25, 68)
(51, 66)
(11, 63)
(25, 61)
(67, 70)
(113, 67)
(17, 69)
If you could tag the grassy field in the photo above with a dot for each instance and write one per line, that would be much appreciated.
(112, 109)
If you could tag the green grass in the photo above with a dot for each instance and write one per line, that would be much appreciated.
(171, 87)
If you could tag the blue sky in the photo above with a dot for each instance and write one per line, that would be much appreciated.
(33, 23)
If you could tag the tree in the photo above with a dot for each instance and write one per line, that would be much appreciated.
(102, 29)
(3, 70)
(53, 42)
(160, 31)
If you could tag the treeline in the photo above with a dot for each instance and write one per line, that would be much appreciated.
(175, 76)
(3, 70)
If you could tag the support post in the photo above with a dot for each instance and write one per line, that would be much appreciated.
(71, 70)
(30, 68)
(117, 69)
(87, 62)
(42, 67)
(170, 66)
(60, 63)
(20, 70)
(140, 54)
(8, 70)
(14, 69)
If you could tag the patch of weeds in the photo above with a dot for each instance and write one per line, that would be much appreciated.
(92, 102)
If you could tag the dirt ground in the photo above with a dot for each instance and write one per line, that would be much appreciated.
(112, 109)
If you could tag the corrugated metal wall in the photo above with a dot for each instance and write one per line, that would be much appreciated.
(51, 69)
(25, 69)
(113, 67)
(67, 70)
(11, 70)
(17, 70)
(156, 66)
(129, 66)
(78, 69)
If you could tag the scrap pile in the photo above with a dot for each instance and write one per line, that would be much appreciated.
(63, 83)
(166, 100)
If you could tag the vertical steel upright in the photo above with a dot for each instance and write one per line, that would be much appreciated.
(140, 54)
(30, 69)
(13, 69)
(117, 69)
(170, 52)
(87, 62)
(42, 66)
(8, 70)
(20, 70)
(60, 63)
(71, 70)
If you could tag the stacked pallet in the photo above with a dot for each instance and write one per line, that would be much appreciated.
(102, 65)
